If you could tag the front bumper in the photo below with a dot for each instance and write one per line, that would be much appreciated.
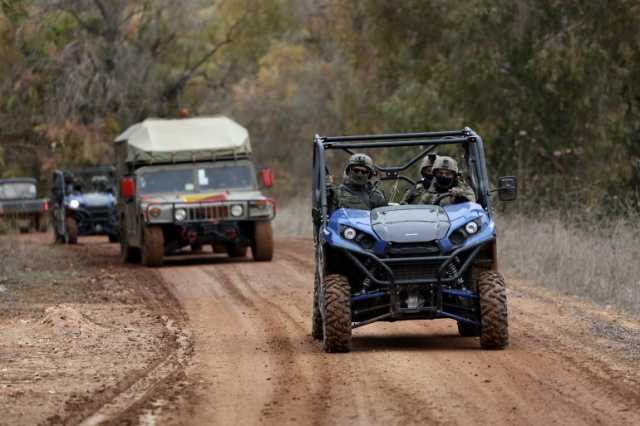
(96, 221)
(450, 298)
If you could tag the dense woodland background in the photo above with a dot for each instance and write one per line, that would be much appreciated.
(552, 85)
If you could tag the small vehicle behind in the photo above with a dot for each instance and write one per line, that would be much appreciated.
(20, 206)
(83, 202)
(187, 183)
(408, 262)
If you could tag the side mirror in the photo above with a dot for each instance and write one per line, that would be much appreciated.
(127, 188)
(266, 175)
(507, 188)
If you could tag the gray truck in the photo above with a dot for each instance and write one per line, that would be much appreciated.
(190, 183)
(20, 207)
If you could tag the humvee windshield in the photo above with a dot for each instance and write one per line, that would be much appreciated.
(17, 190)
(197, 179)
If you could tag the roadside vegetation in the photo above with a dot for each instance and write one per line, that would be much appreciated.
(596, 259)
(552, 86)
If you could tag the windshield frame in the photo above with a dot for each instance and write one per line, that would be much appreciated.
(194, 167)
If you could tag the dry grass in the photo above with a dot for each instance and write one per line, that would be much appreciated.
(599, 261)
(596, 260)
(294, 218)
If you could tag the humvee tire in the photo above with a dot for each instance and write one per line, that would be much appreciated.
(152, 246)
(236, 250)
(128, 254)
(262, 245)
(494, 332)
(336, 321)
(316, 319)
(72, 230)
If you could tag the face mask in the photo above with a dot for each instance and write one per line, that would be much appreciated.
(427, 180)
(358, 179)
(444, 181)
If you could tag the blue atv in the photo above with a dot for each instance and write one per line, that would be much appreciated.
(408, 262)
(83, 202)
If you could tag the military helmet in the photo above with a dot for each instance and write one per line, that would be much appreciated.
(445, 163)
(428, 161)
(362, 160)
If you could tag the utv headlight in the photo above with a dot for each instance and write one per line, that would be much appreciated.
(471, 228)
(180, 215)
(349, 233)
(74, 204)
(237, 210)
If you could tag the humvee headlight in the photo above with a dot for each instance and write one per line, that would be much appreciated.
(74, 204)
(349, 233)
(237, 210)
(180, 215)
(155, 211)
(471, 228)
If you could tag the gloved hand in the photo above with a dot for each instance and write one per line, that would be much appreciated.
(456, 192)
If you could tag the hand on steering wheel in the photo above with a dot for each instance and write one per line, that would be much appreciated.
(440, 197)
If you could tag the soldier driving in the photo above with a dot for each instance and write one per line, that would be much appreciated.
(356, 190)
(446, 186)
(414, 194)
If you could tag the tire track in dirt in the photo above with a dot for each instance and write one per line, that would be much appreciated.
(251, 324)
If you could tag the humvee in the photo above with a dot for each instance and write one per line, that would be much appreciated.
(191, 182)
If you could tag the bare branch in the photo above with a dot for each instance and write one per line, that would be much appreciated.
(174, 90)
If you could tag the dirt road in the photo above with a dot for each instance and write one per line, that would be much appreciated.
(206, 340)
(255, 363)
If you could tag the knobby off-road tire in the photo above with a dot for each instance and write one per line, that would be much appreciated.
(72, 230)
(152, 246)
(468, 330)
(236, 250)
(493, 310)
(336, 321)
(127, 253)
(262, 245)
(316, 318)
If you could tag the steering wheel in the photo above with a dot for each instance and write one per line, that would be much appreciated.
(440, 198)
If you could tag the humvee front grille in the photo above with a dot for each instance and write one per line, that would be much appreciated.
(212, 212)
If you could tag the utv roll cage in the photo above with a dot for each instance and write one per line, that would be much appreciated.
(474, 160)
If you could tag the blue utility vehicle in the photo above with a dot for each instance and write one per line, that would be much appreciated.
(83, 202)
(408, 262)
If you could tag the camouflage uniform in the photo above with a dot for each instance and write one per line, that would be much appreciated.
(356, 195)
(460, 191)
(414, 194)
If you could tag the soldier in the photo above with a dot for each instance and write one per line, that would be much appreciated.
(356, 190)
(445, 174)
(413, 195)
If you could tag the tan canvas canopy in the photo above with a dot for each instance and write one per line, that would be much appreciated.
(175, 140)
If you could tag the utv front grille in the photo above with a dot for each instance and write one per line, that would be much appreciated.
(99, 214)
(212, 212)
(414, 249)
(413, 271)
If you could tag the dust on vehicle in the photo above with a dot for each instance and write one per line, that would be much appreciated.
(188, 183)
(20, 206)
(408, 262)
